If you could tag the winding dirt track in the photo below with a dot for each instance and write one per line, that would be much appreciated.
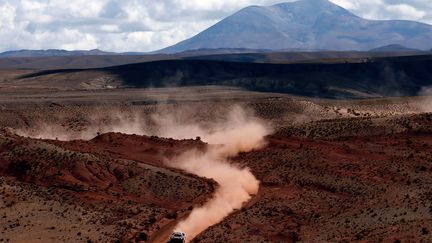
(164, 233)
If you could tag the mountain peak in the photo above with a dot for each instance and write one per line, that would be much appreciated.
(313, 7)
(305, 25)
(315, 2)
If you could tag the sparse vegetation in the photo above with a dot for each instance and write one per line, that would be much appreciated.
(332, 171)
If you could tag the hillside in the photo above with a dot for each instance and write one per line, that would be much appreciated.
(371, 77)
(100, 61)
(92, 191)
(71, 62)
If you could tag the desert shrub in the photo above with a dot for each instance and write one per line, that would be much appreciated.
(19, 168)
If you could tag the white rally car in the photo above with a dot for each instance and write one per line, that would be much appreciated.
(178, 237)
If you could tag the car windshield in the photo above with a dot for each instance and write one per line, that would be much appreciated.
(176, 241)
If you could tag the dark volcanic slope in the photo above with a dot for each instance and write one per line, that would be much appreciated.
(237, 55)
(306, 57)
(397, 76)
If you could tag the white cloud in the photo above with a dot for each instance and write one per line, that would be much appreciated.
(7, 17)
(404, 11)
(147, 25)
(418, 10)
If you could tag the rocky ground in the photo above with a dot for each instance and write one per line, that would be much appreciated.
(332, 171)
(85, 191)
(367, 188)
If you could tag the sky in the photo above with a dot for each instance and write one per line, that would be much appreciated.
(147, 25)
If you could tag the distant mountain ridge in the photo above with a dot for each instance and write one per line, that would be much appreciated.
(306, 25)
(394, 48)
(62, 53)
(54, 52)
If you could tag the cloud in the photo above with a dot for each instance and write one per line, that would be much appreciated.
(8, 13)
(113, 9)
(147, 25)
(417, 10)
(405, 11)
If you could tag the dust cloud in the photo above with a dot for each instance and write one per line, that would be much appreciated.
(88, 127)
(425, 104)
(227, 133)
(240, 132)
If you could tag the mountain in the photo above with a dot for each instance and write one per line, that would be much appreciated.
(306, 25)
(54, 52)
(394, 48)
